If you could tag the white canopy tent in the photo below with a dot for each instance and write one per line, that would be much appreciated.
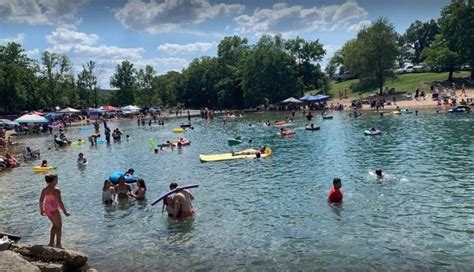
(291, 100)
(32, 119)
(69, 110)
(130, 108)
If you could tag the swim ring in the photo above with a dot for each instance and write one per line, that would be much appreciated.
(372, 133)
(312, 128)
(43, 169)
(114, 178)
(178, 130)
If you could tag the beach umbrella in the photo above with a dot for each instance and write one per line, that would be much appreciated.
(69, 110)
(31, 119)
(290, 100)
(109, 108)
(52, 115)
(38, 113)
(305, 98)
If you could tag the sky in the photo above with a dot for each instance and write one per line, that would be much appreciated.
(169, 34)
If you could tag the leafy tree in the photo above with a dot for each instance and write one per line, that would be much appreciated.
(87, 84)
(373, 53)
(269, 74)
(306, 54)
(145, 86)
(418, 37)
(457, 27)
(58, 82)
(166, 87)
(440, 57)
(124, 79)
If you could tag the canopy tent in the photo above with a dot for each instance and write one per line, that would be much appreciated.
(69, 110)
(130, 108)
(31, 119)
(52, 115)
(38, 113)
(108, 108)
(8, 122)
(314, 98)
(290, 100)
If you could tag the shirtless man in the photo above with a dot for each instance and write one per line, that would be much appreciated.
(183, 206)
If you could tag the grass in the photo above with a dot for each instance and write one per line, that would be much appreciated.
(401, 83)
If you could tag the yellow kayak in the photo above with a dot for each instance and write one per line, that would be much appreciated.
(178, 130)
(43, 169)
(244, 154)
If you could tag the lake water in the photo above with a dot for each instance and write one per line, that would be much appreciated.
(268, 214)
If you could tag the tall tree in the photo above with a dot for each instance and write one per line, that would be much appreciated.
(440, 57)
(373, 53)
(457, 28)
(306, 54)
(124, 79)
(146, 91)
(87, 84)
(59, 82)
(418, 37)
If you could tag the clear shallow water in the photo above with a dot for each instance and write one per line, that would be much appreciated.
(269, 214)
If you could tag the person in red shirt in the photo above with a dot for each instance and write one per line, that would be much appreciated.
(335, 194)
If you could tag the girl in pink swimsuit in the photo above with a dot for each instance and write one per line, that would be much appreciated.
(50, 203)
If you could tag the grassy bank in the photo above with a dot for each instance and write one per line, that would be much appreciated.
(401, 83)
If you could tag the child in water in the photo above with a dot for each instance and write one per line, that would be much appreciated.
(335, 194)
(379, 173)
(139, 194)
(50, 203)
(81, 159)
(44, 163)
(108, 193)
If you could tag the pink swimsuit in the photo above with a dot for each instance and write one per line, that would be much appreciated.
(50, 204)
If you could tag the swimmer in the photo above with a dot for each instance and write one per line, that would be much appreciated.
(122, 189)
(44, 163)
(335, 194)
(139, 194)
(108, 193)
(129, 172)
(81, 159)
(183, 198)
(379, 173)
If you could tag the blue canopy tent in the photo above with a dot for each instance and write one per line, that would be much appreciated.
(52, 116)
(314, 98)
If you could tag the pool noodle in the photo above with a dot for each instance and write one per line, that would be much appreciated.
(173, 191)
(153, 143)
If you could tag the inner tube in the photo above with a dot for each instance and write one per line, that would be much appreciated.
(183, 142)
(43, 169)
(114, 178)
(185, 125)
(311, 128)
(327, 117)
(78, 143)
(178, 130)
(372, 133)
(287, 133)
(82, 164)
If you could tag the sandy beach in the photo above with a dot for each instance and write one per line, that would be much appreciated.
(410, 104)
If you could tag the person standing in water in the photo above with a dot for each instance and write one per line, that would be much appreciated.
(50, 203)
(183, 207)
(335, 194)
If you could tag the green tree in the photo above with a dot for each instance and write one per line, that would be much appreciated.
(269, 74)
(146, 91)
(166, 87)
(58, 87)
(418, 37)
(87, 84)
(457, 27)
(440, 57)
(373, 53)
(124, 79)
(306, 54)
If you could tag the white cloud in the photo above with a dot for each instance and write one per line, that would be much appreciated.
(153, 16)
(17, 39)
(33, 54)
(358, 26)
(66, 36)
(173, 48)
(41, 12)
(286, 19)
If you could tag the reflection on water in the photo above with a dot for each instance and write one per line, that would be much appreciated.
(268, 214)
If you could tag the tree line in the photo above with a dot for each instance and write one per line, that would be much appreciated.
(241, 75)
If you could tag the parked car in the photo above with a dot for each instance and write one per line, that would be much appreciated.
(345, 76)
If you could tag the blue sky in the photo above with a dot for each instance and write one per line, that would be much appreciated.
(168, 34)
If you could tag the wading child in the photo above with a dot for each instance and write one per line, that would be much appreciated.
(50, 203)
(335, 194)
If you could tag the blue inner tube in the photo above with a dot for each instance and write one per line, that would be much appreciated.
(114, 177)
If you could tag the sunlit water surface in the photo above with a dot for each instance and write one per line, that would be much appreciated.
(268, 214)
